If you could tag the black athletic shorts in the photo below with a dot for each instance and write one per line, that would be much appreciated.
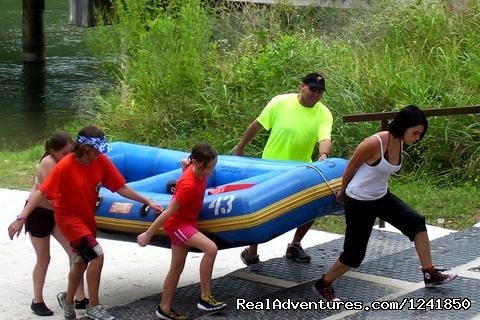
(40, 222)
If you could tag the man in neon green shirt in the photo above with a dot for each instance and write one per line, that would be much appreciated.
(297, 122)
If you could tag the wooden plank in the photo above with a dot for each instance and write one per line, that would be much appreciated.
(429, 112)
(303, 3)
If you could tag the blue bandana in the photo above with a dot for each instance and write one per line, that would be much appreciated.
(98, 143)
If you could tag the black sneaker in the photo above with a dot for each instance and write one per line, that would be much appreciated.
(41, 309)
(81, 304)
(434, 277)
(295, 252)
(170, 315)
(248, 259)
(208, 303)
(326, 292)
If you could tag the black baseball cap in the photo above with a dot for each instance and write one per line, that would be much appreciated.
(315, 82)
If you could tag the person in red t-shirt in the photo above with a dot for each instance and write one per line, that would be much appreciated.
(73, 187)
(179, 221)
(41, 225)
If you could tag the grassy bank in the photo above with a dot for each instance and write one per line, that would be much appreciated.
(427, 197)
(188, 72)
(18, 168)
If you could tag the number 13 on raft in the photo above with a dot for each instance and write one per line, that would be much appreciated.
(222, 205)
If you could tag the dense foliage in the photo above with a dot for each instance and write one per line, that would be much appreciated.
(187, 71)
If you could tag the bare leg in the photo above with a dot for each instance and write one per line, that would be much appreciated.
(431, 276)
(253, 249)
(94, 271)
(209, 248)
(42, 251)
(179, 254)
(302, 231)
(80, 292)
(422, 245)
(75, 275)
(335, 272)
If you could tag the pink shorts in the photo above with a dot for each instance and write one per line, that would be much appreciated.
(182, 234)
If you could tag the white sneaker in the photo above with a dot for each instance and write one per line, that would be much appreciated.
(67, 309)
(98, 313)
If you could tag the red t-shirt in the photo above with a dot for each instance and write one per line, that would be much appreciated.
(189, 192)
(73, 187)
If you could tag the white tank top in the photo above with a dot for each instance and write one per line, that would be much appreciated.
(371, 182)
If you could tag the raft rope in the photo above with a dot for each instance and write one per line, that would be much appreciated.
(321, 175)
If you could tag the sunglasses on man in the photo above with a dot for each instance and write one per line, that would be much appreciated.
(318, 89)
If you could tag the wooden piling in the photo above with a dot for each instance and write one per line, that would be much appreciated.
(82, 12)
(33, 31)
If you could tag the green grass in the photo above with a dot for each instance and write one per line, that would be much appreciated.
(17, 169)
(333, 224)
(458, 205)
(187, 72)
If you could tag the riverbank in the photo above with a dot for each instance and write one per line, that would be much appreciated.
(36, 98)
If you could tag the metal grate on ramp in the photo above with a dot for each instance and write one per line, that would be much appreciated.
(389, 255)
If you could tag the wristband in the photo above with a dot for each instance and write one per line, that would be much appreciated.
(19, 218)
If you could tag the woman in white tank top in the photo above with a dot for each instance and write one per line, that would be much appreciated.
(366, 197)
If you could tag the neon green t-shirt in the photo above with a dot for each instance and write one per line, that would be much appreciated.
(294, 129)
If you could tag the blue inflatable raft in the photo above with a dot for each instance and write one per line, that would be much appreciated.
(248, 200)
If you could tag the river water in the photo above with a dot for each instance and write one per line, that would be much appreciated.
(34, 101)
